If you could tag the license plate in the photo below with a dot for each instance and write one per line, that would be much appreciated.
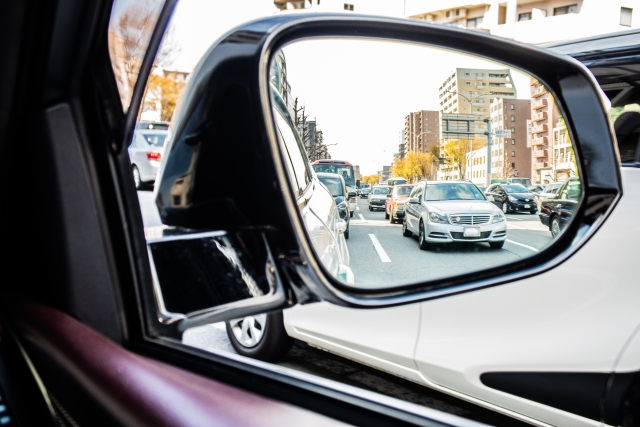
(527, 206)
(471, 232)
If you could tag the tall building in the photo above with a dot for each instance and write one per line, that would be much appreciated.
(535, 22)
(421, 131)
(468, 90)
(544, 116)
(511, 157)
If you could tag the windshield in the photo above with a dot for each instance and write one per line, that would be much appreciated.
(552, 188)
(155, 139)
(381, 190)
(439, 192)
(334, 185)
(515, 188)
(402, 191)
(345, 171)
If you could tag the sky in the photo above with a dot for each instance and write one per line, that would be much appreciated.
(358, 91)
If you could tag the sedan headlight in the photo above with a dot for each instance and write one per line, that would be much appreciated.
(512, 199)
(342, 206)
(499, 217)
(436, 217)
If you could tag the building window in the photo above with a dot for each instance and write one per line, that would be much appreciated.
(564, 10)
(348, 7)
(513, 118)
(513, 130)
(625, 16)
(467, 83)
(512, 107)
(524, 16)
(513, 142)
(474, 23)
(513, 154)
(513, 165)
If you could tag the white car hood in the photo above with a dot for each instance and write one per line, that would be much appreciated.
(463, 206)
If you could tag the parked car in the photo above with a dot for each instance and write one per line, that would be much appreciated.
(512, 198)
(338, 189)
(377, 197)
(557, 212)
(145, 153)
(394, 206)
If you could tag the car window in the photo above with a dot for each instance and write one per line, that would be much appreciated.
(334, 185)
(515, 188)
(154, 139)
(381, 190)
(298, 162)
(571, 191)
(442, 192)
(402, 191)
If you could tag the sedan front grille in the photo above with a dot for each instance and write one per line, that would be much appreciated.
(469, 219)
(460, 236)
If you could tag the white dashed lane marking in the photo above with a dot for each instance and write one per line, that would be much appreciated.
(381, 253)
(524, 246)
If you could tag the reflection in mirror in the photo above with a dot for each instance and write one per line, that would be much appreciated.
(449, 144)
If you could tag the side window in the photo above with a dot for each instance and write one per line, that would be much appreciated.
(418, 192)
(296, 158)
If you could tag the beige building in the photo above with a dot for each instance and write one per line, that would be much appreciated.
(533, 21)
(421, 131)
(469, 90)
(544, 116)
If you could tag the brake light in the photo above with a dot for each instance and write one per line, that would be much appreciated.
(153, 155)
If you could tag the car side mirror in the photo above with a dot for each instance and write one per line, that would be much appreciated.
(240, 91)
(341, 225)
(414, 200)
(352, 194)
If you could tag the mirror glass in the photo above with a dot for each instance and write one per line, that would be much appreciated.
(458, 142)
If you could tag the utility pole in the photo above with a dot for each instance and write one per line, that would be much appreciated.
(488, 133)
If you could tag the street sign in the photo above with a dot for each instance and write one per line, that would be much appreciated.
(502, 133)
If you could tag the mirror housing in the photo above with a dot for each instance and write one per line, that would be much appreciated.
(226, 113)
(341, 225)
(414, 200)
(352, 194)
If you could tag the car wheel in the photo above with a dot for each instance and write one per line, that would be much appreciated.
(137, 180)
(386, 214)
(505, 207)
(346, 233)
(260, 337)
(370, 208)
(533, 212)
(424, 245)
(405, 231)
(351, 214)
(555, 226)
(496, 245)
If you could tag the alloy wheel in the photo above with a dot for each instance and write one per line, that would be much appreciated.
(505, 207)
(137, 180)
(249, 330)
(555, 227)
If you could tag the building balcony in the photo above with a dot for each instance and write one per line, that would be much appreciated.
(539, 103)
(540, 153)
(540, 115)
(542, 140)
(539, 91)
(540, 165)
(539, 129)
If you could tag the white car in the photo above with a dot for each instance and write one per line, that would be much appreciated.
(557, 349)
(452, 211)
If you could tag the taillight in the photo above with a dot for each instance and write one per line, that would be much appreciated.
(153, 155)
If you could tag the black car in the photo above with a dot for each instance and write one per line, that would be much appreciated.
(338, 189)
(556, 213)
(512, 198)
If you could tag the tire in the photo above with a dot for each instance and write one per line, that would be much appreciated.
(505, 207)
(533, 212)
(351, 214)
(346, 233)
(271, 345)
(422, 243)
(370, 208)
(405, 231)
(496, 245)
(386, 214)
(554, 226)
(137, 180)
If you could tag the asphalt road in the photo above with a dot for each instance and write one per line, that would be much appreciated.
(407, 263)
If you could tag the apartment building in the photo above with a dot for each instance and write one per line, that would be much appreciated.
(469, 90)
(544, 117)
(533, 21)
(421, 131)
